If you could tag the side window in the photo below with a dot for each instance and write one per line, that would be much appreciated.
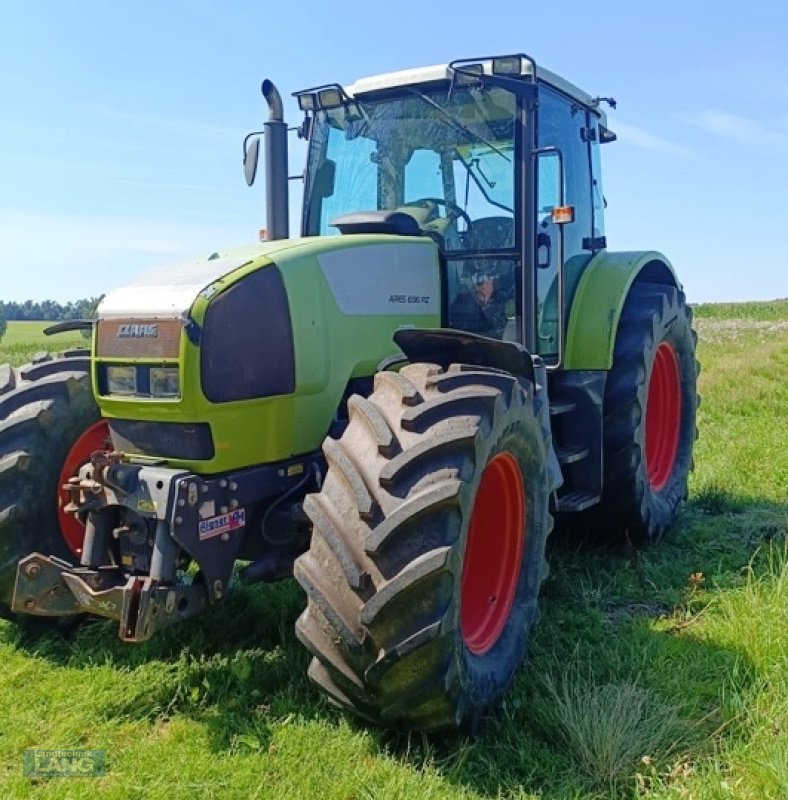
(598, 197)
(549, 185)
(549, 195)
(561, 124)
(352, 188)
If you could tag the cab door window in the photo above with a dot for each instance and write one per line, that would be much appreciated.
(563, 125)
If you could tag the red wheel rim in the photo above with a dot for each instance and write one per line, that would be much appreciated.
(493, 554)
(96, 437)
(663, 416)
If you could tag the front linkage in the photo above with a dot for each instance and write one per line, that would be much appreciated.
(145, 525)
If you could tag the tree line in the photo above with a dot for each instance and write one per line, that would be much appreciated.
(48, 310)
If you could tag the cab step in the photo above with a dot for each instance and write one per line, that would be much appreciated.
(577, 501)
(571, 455)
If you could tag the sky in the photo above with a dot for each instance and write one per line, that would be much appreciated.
(121, 123)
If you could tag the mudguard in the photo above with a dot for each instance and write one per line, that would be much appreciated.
(599, 300)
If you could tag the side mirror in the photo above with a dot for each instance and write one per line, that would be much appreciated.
(324, 179)
(304, 130)
(251, 156)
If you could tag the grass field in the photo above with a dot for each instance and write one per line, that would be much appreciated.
(660, 673)
(23, 340)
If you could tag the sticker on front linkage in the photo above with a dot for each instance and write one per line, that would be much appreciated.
(208, 528)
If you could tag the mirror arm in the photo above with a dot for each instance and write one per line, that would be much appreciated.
(248, 137)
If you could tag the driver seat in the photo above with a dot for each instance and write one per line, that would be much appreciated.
(491, 233)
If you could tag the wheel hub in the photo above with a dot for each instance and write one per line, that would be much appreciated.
(96, 437)
(493, 554)
(663, 416)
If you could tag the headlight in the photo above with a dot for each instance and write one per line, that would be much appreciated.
(143, 381)
(121, 380)
(165, 382)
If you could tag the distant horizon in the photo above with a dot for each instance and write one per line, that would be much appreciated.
(690, 302)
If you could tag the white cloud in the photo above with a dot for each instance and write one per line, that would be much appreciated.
(738, 127)
(639, 137)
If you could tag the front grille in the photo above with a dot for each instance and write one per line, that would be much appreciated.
(186, 440)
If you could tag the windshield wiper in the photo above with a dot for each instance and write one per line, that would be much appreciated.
(469, 169)
(457, 124)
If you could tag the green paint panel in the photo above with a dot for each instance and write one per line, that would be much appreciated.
(330, 348)
(598, 302)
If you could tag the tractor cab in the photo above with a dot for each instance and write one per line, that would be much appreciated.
(496, 160)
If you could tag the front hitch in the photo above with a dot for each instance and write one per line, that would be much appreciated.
(50, 587)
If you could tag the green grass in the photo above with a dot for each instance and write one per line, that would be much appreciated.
(762, 311)
(660, 673)
(23, 340)
(607, 728)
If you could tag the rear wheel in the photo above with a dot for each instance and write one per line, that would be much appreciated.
(427, 550)
(650, 406)
(49, 425)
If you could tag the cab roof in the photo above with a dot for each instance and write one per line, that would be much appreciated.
(440, 72)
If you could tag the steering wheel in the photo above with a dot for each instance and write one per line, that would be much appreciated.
(453, 211)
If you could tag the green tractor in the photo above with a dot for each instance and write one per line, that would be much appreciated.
(393, 408)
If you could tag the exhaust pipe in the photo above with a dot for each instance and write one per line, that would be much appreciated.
(276, 166)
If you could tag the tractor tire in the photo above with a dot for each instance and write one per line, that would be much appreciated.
(49, 423)
(427, 551)
(649, 416)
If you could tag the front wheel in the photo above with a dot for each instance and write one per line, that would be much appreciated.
(427, 550)
(49, 425)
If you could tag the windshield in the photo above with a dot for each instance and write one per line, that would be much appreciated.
(446, 158)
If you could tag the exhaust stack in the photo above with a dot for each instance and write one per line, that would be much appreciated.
(276, 166)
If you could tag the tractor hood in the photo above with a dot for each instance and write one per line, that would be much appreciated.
(168, 291)
(257, 346)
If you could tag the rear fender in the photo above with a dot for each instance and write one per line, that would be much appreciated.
(599, 301)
